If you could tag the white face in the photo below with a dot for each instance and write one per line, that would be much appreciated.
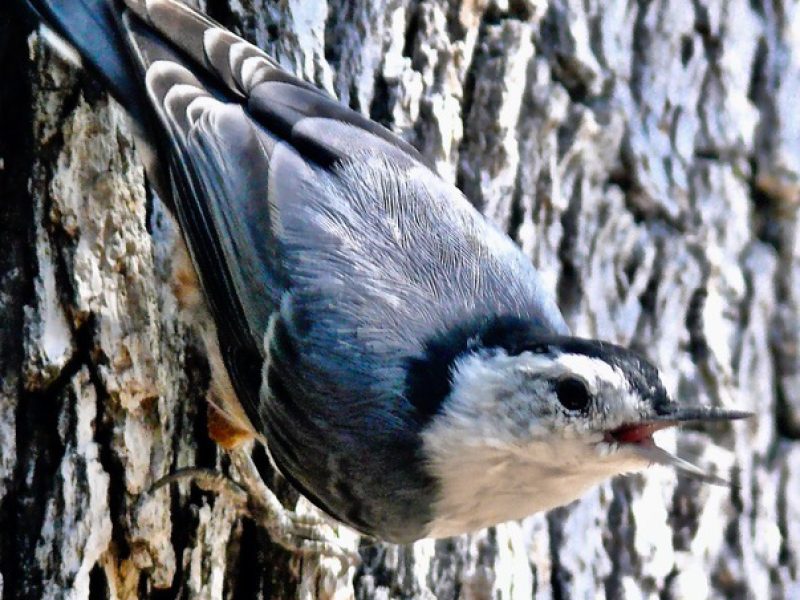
(513, 441)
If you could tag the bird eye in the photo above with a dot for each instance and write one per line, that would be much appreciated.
(572, 393)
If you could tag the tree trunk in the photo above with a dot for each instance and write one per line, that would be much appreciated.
(644, 154)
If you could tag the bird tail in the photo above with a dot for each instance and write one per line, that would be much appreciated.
(88, 33)
(93, 35)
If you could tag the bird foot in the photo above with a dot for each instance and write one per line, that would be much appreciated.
(307, 535)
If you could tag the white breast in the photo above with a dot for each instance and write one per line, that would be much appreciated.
(480, 488)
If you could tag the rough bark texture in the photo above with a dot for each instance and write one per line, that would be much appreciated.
(645, 154)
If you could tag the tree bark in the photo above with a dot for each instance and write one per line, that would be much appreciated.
(644, 154)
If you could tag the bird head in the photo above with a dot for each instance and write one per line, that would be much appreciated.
(531, 423)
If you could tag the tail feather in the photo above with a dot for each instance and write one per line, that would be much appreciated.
(92, 28)
(90, 33)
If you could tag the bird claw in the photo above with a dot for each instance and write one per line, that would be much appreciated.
(304, 534)
(307, 535)
(208, 481)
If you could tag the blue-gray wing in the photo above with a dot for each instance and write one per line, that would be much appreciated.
(238, 128)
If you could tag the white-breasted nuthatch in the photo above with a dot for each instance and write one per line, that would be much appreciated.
(398, 354)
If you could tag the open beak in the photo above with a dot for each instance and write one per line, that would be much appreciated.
(639, 436)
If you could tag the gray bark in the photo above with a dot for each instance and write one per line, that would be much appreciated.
(643, 153)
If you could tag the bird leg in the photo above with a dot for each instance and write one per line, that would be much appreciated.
(306, 535)
(230, 428)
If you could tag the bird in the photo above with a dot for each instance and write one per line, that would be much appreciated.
(398, 355)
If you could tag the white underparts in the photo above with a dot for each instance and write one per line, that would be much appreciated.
(486, 486)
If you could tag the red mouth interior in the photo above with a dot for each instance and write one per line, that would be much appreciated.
(641, 433)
